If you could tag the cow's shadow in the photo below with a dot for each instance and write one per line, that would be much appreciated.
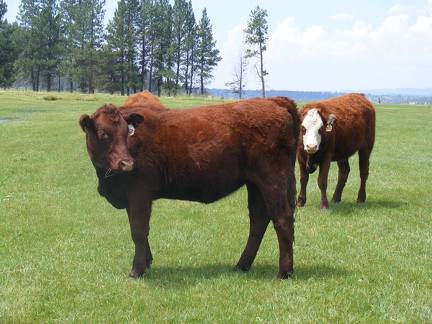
(179, 277)
(348, 207)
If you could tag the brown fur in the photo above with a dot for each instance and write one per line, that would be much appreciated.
(353, 131)
(204, 154)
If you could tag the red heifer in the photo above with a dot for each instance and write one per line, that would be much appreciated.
(143, 153)
(333, 130)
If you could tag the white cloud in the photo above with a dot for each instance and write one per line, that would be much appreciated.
(342, 17)
(398, 9)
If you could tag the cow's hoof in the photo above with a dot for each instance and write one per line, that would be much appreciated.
(361, 198)
(324, 206)
(149, 263)
(300, 202)
(336, 200)
(284, 275)
(241, 268)
(135, 273)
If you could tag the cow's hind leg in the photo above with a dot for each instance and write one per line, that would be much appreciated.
(280, 204)
(364, 155)
(322, 181)
(258, 224)
(344, 170)
(284, 226)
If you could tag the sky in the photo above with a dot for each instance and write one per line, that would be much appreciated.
(332, 45)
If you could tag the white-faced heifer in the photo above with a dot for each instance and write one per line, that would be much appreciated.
(333, 130)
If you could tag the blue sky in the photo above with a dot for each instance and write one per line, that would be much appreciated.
(325, 45)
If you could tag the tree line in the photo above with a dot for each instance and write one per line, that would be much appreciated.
(63, 45)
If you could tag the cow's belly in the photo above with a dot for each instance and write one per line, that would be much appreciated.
(205, 193)
(344, 154)
(347, 146)
(204, 178)
(203, 187)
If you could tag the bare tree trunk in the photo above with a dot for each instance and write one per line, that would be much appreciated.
(178, 65)
(143, 64)
(122, 91)
(202, 84)
(37, 78)
(187, 72)
(262, 72)
(151, 68)
(192, 71)
(159, 86)
(49, 82)
(33, 79)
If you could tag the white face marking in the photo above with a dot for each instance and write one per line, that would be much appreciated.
(312, 138)
(131, 129)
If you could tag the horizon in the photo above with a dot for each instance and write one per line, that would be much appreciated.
(337, 46)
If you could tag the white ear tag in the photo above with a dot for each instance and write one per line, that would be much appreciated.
(131, 129)
(329, 128)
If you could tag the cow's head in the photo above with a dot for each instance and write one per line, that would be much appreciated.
(314, 127)
(106, 136)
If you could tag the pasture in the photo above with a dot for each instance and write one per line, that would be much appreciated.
(65, 252)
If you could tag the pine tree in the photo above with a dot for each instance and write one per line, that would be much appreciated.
(9, 49)
(257, 36)
(131, 22)
(162, 54)
(107, 73)
(30, 42)
(180, 16)
(143, 39)
(117, 42)
(3, 10)
(70, 11)
(83, 25)
(189, 47)
(48, 23)
(207, 53)
(41, 41)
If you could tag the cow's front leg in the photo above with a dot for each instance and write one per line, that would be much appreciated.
(322, 181)
(139, 212)
(304, 178)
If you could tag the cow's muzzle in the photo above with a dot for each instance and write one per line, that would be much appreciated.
(311, 148)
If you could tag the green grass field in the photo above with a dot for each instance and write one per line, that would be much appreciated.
(65, 252)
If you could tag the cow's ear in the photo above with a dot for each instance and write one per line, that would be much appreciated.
(330, 122)
(85, 122)
(134, 119)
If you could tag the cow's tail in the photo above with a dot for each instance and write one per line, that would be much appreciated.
(291, 106)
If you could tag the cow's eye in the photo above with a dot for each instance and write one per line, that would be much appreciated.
(104, 136)
(303, 130)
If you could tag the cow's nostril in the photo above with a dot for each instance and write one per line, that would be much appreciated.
(126, 165)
